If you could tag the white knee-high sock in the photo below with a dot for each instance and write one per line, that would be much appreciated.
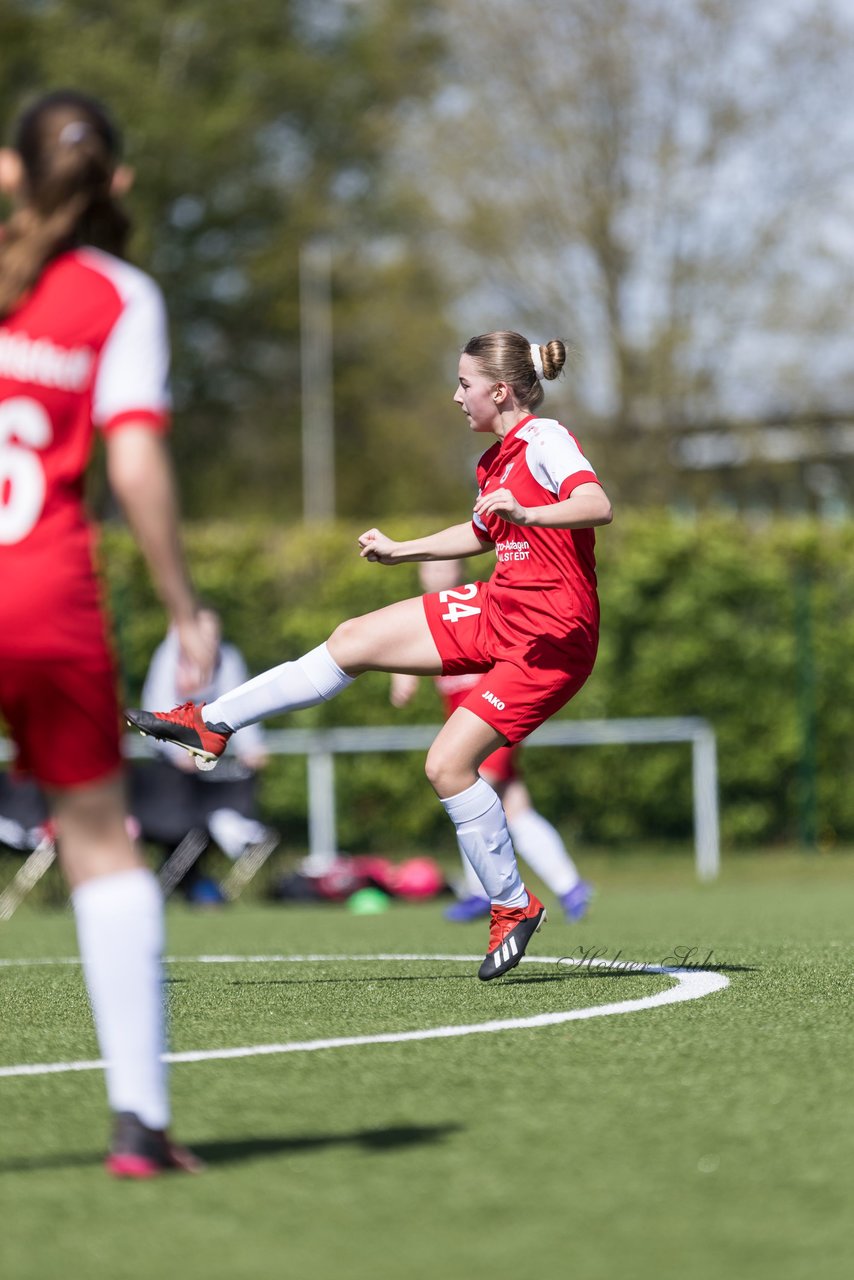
(315, 677)
(545, 853)
(482, 835)
(120, 933)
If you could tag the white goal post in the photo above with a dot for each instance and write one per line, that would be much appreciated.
(320, 746)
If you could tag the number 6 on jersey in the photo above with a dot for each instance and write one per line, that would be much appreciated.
(22, 480)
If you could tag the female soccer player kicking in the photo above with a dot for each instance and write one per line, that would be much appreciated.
(531, 630)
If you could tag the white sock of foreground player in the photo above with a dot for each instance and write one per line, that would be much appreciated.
(482, 834)
(316, 677)
(120, 933)
(538, 843)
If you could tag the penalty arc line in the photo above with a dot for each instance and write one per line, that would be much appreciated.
(690, 985)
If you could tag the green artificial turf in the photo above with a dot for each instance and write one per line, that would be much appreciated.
(700, 1140)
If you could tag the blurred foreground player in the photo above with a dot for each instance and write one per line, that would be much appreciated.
(84, 347)
(171, 799)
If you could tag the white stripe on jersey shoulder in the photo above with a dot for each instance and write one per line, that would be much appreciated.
(130, 282)
(132, 374)
(537, 428)
(551, 454)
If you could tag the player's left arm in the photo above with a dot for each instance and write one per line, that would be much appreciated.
(455, 543)
(555, 461)
(139, 469)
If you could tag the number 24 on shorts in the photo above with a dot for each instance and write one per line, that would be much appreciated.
(452, 599)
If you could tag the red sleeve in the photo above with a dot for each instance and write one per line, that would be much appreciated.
(573, 481)
(159, 423)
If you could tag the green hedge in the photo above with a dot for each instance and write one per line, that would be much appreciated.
(749, 625)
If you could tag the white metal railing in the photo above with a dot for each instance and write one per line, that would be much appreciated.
(320, 746)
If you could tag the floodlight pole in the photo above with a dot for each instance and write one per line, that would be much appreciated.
(318, 427)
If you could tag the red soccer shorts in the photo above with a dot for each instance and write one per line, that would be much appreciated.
(524, 683)
(64, 719)
(502, 765)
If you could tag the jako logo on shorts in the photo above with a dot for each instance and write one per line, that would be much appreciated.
(496, 702)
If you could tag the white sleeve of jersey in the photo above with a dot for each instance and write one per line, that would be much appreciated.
(552, 456)
(133, 371)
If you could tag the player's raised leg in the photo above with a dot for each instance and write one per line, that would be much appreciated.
(394, 638)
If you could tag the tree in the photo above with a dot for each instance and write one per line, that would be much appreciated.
(662, 184)
(253, 130)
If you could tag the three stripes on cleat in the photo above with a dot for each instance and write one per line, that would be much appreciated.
(502, 954)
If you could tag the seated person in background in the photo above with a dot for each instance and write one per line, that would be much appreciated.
(535, 839)
(23, 813)
(169, 796)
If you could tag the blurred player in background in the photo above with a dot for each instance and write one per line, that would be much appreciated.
(534, 839)
(169, 796)
(167, 679)
(84, 347)
(531, 631)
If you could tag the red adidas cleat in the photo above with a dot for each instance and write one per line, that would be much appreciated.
(510, 931)
(184, 727)
(139, 1152)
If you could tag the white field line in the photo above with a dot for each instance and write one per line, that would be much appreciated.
(689, 985)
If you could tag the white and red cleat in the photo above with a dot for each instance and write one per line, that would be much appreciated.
(510, 931)
(184, 727)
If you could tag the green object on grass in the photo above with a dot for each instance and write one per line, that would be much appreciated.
(368, 902)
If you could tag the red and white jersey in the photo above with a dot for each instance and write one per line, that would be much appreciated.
(544, 583)
(87, 349)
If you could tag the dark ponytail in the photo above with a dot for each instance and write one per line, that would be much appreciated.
(69, 148)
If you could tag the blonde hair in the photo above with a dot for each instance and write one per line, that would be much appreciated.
(69, 148)
(505, 356)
